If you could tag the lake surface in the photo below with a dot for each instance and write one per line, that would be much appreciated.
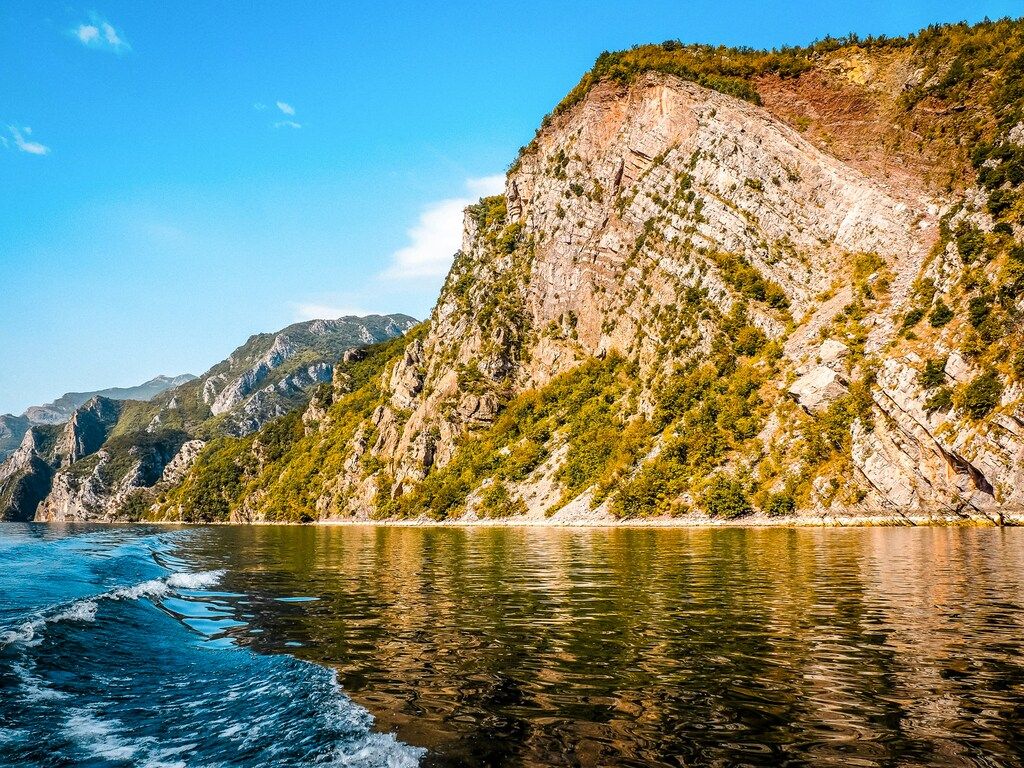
(512, 646)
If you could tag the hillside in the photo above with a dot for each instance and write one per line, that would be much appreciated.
(719, 282)
(127, 447)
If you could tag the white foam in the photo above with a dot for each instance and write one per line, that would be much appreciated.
(30, 632)
(98, 737)
(200, 580)
(35, 688)
(378, 750)
(81, 611)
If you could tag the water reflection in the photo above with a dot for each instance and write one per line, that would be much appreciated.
(513, 646)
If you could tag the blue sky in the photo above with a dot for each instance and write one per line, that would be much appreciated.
(179, 175)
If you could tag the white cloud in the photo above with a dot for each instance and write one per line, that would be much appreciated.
(487, 185)
(315, 311)
(21, 141)
(437, 234)
(287, 108)
(87, 34)
(99, 34)
(259, 106)
(287, 124)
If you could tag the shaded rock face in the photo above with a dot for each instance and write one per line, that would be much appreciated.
(12, 431)
(86, 430)
(27, 476)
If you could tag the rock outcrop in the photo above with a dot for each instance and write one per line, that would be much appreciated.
(717, 282)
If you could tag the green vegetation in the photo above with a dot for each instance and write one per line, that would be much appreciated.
(941, 314)
(979, 396)
(283, 467)
(780, 505)
(729, 70)
(940, 400)
(746, 279)
(579, 409)
(912, 318)
(725, 498)
(933, 375)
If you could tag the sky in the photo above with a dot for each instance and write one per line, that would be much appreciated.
(176, 176)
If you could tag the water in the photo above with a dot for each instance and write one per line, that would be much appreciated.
(114, 652)
(517, 647)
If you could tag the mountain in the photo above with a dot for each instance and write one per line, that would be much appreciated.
(60, 410)
(101, 464)
(719, 282)
(13, 428)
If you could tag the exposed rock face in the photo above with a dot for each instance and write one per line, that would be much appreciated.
(597, 185)
(86, 430)
(12, 430)
(27, 476)
(818, 388)
(625, 203)
(914, 461)
(271, 373)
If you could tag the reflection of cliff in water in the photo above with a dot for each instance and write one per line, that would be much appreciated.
(666, 647)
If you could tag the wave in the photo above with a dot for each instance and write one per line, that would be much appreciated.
(30, 633)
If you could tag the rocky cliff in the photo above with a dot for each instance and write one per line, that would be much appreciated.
(719, 282)
(27, 475)
(103, 462)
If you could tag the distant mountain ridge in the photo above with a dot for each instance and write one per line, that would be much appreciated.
(112, 454)
(60, 410)
(13, 428)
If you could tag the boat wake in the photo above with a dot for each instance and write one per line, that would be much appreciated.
(147, 673)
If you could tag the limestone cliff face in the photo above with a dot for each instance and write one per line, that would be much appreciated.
(638, 195)
(26, 477)
(718, 282)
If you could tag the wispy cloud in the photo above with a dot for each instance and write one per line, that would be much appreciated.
(286, 109)
(99, 34)
(19, 137)
(437, 234)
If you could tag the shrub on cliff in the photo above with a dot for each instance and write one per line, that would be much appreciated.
(980, 396)
(933, 375)
(941, 314)
(726, 499)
